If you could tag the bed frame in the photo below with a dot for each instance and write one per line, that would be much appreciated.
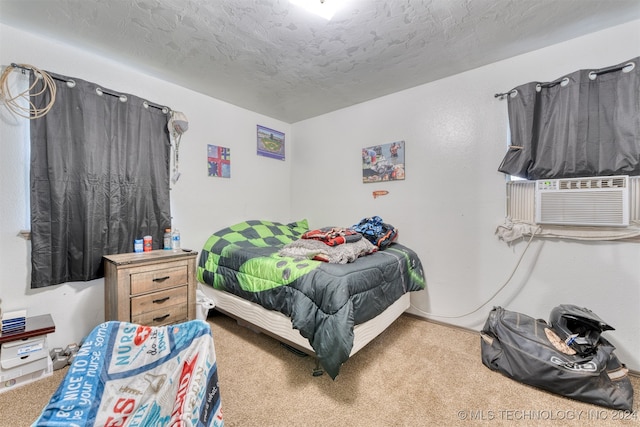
(278, 326)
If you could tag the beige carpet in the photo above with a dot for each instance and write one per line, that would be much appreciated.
(416, 373)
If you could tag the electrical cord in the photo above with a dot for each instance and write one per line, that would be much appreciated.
(513, 271)
(12, 102)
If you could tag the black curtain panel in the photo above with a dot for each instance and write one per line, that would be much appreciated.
(584, 124)
(99, 179)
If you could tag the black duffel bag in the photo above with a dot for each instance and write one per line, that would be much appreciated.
(528, 350)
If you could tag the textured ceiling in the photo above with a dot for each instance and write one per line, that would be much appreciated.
(274, 58)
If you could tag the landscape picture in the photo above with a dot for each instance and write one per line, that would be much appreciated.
(270, 143)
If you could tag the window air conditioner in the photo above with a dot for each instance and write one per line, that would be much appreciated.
(591, 201)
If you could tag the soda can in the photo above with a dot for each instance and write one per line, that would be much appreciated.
(148, 243)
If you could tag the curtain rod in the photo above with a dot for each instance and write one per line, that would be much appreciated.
(502, 95)
(165, 109)
(612, 69)
(25, 68)
(592, 75)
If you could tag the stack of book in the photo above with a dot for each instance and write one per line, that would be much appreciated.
(14, 321)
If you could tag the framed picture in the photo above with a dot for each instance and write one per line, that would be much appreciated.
(383, 162)
(270, 143)
(219, 161)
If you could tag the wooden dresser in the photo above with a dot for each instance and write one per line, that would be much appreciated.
(150, 288)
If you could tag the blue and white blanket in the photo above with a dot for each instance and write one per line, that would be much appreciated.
(132, 375)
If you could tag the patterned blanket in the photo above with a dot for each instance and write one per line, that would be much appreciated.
(131, 375)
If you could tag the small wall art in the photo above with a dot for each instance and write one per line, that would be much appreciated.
(383, 162)
(270, 143)
(219, 161)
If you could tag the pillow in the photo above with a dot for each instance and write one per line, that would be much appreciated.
(300, 227)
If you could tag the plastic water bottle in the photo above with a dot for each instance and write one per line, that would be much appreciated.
(175, 240)
(167, 239)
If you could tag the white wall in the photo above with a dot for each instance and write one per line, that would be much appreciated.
(453, 198)
(200, 204)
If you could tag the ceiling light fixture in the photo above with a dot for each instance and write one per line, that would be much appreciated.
(323, 8)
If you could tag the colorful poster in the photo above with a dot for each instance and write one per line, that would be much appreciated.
(383, 162)
(270, 143)
(219, 160)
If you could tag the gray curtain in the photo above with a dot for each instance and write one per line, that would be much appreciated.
(99, 179)
(584, 124)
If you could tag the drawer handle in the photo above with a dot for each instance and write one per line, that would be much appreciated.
(161, 300)
(161, 279)
(161, 318)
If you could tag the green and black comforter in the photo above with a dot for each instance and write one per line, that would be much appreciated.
(324, 300)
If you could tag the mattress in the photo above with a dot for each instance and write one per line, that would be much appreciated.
(279, 326)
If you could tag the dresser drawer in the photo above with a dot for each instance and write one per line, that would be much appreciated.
(159, 300)
(150, 281)
(171, 314)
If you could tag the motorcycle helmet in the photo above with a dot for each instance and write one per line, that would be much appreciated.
(579, 327)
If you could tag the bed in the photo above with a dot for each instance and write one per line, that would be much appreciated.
(126, 374)
(324, 309)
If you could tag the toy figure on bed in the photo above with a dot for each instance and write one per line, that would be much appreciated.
(325, 288)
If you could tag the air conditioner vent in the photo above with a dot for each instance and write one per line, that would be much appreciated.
(584, 183)
(592, 201)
